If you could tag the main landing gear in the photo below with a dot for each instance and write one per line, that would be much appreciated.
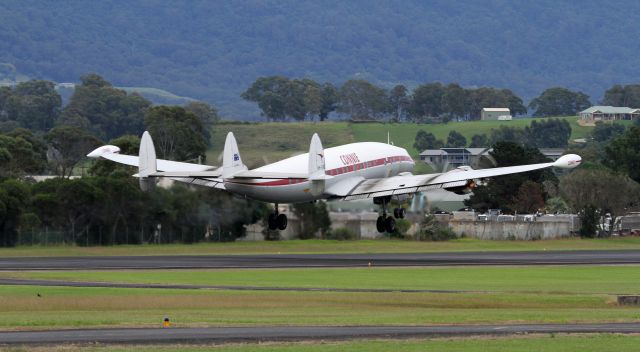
(277, 221)
(384, 222)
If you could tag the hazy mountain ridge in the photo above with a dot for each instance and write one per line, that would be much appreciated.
(214, 50)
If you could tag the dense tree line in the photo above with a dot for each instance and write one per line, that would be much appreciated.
(619, 95)
(42, 137)
(548, 133)
(280, 98)
(103, 210)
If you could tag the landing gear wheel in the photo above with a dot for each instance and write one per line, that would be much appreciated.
(380, 224)
(281, 221)
(395, 213)
(272, 221)
(402, 212)
(390, 224)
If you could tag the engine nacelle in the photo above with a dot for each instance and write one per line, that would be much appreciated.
(464, 189)
(147, 183)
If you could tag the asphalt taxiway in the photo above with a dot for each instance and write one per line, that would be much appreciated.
(294, 333)
(321, 260)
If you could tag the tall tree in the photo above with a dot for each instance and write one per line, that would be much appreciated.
(550, 133)
(329, 95)
(559, 101)
(34, 104)
(454, 100)
(426, 140)
(314, 218)
(623, 153)
(618, 95)
(14, 197)
(399, 102)
(606, 191)
(177, 133)
(67, 146)
(604, 132)
(362, 100)
(104, 110)
(456, 140)
(506, 134)
(426, 101)
(270, 93)
(479, 141)
(207, 114)
(21, 153)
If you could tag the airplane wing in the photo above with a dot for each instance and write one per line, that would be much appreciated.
(405, 184)
(111, 152)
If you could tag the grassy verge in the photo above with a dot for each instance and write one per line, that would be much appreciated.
(525, 279)
(541, 343)
(67, 307)
(326, 246)
(513, 295)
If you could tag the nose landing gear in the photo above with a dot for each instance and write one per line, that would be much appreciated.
(276, 220)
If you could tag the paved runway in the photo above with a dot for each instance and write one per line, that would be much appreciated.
(321, 260)
(294, 333)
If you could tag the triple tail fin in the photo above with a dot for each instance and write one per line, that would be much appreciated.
(317, 174)
(316, 159)
(231, 160)
(147, 162)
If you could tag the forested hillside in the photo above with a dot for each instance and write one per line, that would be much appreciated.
(214, 50)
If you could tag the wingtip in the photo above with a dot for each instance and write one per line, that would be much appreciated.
(105, 149)
(568, 161)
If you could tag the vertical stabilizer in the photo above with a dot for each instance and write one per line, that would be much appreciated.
(317, 174)
(231, 160)
(147, 163)
(316, 158)
(147, 156)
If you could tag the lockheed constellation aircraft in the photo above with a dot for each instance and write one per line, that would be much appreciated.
(366, 170)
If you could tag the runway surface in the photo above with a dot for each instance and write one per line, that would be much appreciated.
(321, 260)
(294, 333)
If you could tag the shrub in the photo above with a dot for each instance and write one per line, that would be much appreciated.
(342, 233)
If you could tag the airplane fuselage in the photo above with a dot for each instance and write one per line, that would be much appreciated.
(345, 163)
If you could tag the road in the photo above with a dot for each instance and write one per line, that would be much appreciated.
(294, 333)
(321, 260)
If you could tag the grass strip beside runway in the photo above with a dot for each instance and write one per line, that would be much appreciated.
(609, 279)
(65, 307)
(557, 294)
(540, 343)
(325, 246)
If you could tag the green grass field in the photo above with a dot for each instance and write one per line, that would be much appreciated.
(518, 279)
(502, 295)
(540, 343)
(326, 246)
(269, 142)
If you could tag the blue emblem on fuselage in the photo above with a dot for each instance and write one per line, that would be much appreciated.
(236, 157)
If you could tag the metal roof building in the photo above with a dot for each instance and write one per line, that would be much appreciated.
(494, 113)
(609, 113)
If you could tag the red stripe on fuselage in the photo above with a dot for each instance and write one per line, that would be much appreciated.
(333, 172)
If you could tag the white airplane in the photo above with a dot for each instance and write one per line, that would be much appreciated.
(378, 171)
